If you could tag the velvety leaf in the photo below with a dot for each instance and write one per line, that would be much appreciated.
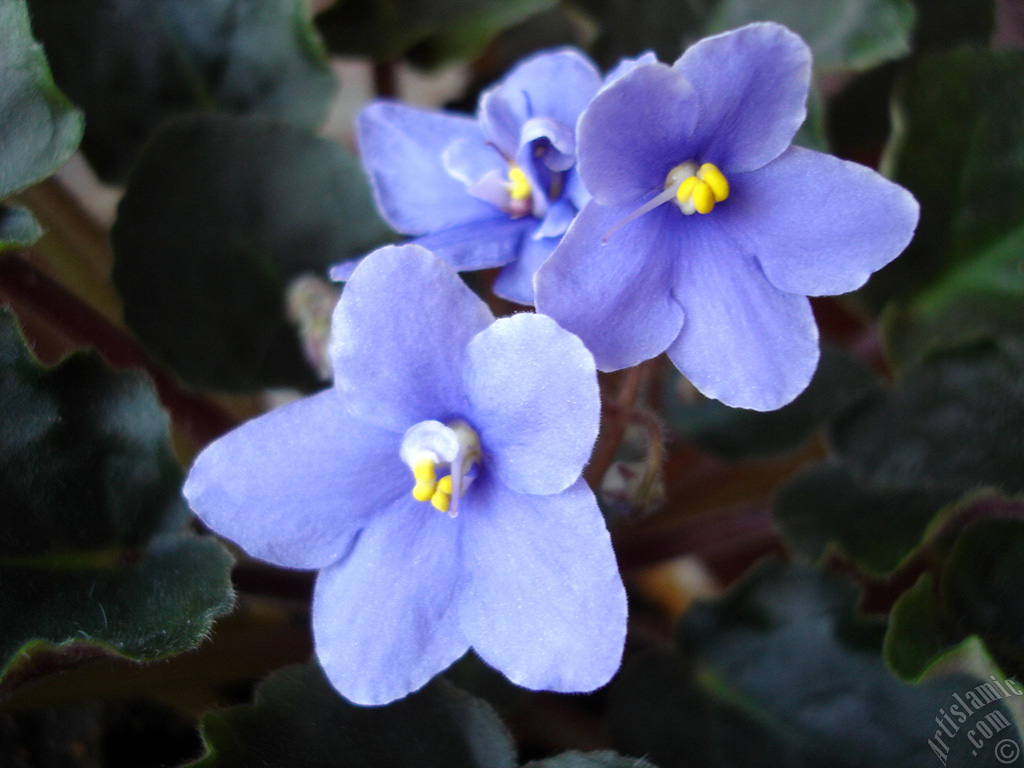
(18, 227)
(220, 214)
(953, 423)
(980, 298)
(736, 433)
(589, 760)
(39, 129)
(131, 65)
(297, 719)
(948, 22)
(877, 529)
(956, 146)
(973, 593)
(627, 28)
(804, 681)
(918, 634)
(843, 34)
(93, 540)
(432, 30)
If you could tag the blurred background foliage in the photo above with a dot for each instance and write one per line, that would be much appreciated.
(809, 587)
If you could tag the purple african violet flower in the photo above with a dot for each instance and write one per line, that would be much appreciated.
(496, 191)
(435, 406)
(707, 230)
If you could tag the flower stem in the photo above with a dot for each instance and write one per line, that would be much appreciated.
(614, 421)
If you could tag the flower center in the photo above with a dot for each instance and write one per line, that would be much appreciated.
(693, 189)
(443, 459)
(520, 193)
(697, 189)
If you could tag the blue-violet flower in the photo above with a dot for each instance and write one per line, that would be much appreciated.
(496, 191)
(707, 231)
(436, 487)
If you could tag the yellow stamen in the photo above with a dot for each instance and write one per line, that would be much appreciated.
(699, 191)
(426, 478)
(686, 189)
(715, 179)
(703, 198)
(444, 485)
(442, 501)
(519, 188)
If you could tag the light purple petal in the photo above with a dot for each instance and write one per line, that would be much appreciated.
(625, 66)
(820, 225)
(634, 132)
(515, 283)
(561, 155)
(294, 486)
(533, 397)
(546, 604)
(616, 296)
(752, 84)
(744, 341)
(555, 85)
(469, 160)
(557, 220)
(480, 244)
(386, 619)
(399, 336)
(402, 149)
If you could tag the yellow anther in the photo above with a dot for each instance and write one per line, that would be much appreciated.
(716, 180)
(442, 501)
(686, 189)
(444, 485)
(426, 478)
(703, 198)
(519, 188)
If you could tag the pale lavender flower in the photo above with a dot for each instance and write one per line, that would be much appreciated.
(496, 191)
(707, 230)
(437, 489)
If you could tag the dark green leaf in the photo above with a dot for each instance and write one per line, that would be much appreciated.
(953, 423)
(297, 719)
(973, 594)
(220, 214)
(843, 34)
(18, 227)
(385, 30)
(131, 65)
(628, 28)
(589, 760)
(39, 129)
(804, 682)
(956, 146)
(948, 22)
(93, 539)
(918, 634)
(876, 528)
(736, 433)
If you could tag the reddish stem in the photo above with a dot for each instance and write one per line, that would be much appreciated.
(27, 288)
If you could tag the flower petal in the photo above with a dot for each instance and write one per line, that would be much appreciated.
(386, 619)
(615, 296)
(752, 84)
(399, 336)
(480, 244)
(555, 85)
(533, 396)
(744, 342)
(402, 149)
(634, 132)
(820, 225)
(546, 604)
(515, 283)
(295, 485)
